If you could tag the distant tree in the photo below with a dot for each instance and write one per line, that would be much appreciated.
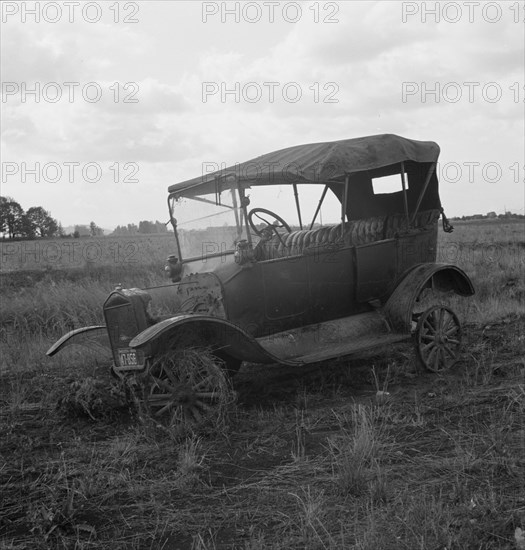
(144, 227)
(147, 227)
(76, 234)
(95, 230)
(11, 214)
(160, 227)
(152, 227)
(119, 230)
(40, 223)
(82, 230)
(27, 228)
(3, 214)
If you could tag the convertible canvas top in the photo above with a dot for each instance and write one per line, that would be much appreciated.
(319, 162)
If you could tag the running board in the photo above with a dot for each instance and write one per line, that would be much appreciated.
(331, 339)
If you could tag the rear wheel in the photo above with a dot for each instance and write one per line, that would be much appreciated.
(438, 338)
(187, 388)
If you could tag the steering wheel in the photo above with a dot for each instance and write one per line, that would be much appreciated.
(269, 225)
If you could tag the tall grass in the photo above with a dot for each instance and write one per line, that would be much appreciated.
(354, 452)
(39, 307)
(493, 255)
(53, 302)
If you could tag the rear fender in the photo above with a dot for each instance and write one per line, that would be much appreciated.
(218, 334)
(95, 337)
(442, 277)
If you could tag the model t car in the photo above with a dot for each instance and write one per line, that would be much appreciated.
(301, 255)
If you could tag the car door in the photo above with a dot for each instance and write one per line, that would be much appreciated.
(376, 271)
(331, 282)
(285, 284)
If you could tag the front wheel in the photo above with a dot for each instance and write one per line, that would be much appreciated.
(187, 388)
(438, 338)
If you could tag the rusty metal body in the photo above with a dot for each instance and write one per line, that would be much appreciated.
(299, 295)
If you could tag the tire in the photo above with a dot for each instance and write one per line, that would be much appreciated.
(438, 338)
(187, 389)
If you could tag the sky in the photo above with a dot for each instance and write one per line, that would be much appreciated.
(105, 104)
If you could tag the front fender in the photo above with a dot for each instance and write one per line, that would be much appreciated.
(217, 333)
(95, 337)
(443, 277)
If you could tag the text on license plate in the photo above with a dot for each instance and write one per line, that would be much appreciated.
(128, 358)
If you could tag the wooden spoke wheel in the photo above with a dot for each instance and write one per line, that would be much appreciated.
(438, 338)
(187, 388)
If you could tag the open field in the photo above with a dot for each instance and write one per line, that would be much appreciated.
(308, 459)
(109, 252)
(85, 252)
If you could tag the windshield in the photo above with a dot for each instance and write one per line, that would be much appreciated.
(210, 223)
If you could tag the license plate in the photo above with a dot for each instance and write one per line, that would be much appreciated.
(129, 359)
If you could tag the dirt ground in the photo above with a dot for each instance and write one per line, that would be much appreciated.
(367, 453)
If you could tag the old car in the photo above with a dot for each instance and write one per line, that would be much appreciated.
(264, 278)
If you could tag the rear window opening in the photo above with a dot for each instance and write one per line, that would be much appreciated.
(388, 184)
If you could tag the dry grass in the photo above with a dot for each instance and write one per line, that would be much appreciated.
(86, 252)
(367, 476)
(493, 255)
(353, 452)
(310, 459)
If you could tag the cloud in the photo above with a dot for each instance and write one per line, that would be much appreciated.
(170, 131)
(144, 97)
(49, 53)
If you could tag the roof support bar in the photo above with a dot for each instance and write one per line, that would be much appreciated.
(403, 183)
(238, 222)
(244, 205)
(174, 225)
(217, 190)
(319, 206)
(297, 204)
(423, 191)
(343, 206)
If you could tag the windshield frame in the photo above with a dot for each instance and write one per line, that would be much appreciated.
(239, 208)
